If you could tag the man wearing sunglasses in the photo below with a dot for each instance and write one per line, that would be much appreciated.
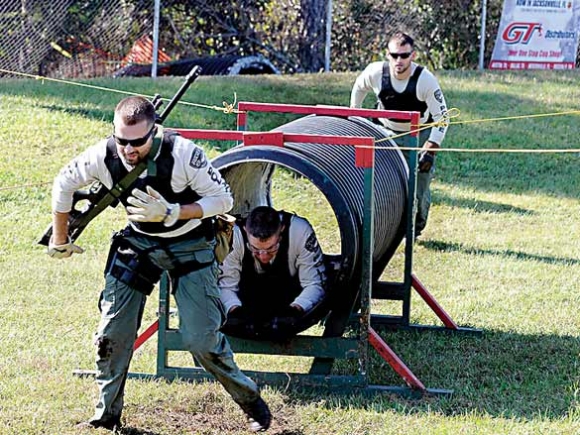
(401, 84)
(275, 270)
(169, 209)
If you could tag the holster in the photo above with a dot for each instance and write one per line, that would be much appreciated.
(131, 266)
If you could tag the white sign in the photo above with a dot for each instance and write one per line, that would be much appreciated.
(537, 34)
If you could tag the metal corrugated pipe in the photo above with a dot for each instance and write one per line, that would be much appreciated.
(391, 176)
(331, 168)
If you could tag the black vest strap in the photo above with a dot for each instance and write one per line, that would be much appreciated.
(160, 182)
(267, 294)
(405, 101)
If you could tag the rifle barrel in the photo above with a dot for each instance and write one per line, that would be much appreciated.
(189, 79)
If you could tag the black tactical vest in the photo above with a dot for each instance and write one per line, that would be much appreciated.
(161, 182)
(267, 294)
(405, 101)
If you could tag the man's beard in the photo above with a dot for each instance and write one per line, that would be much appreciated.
(403, 70)
(134, 161)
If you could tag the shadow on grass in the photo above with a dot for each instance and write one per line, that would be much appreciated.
(478, 205)
(499, 374)
(96, 114)
(438, 245)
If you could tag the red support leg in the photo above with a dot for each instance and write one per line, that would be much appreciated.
(394, 361)
(146, 335)
(430, 300)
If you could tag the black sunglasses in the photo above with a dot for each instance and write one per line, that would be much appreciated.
(401, 55)
(134, 142)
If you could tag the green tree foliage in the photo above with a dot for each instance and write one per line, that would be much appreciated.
(291, 33)
(447, 32)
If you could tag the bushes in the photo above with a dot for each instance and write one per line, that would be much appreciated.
(292, 32)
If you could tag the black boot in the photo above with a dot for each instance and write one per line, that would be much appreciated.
(109, 423)
(258, 414)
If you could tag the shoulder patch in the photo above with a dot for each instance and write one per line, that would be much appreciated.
(198, 159)
(311, 244)
(438, 95)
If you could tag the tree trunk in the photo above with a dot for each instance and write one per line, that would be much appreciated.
(311, 44)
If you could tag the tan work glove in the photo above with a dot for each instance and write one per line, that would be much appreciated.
(63, 251)
(151, 207)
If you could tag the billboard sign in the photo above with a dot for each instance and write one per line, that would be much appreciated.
(537, 34)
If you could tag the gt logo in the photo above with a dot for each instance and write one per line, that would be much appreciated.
(520, 32)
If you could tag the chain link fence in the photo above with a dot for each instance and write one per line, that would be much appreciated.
(68, 38)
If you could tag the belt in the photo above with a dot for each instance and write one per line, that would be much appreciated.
(205, 229)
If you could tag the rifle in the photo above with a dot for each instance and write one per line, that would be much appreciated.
(98, 197)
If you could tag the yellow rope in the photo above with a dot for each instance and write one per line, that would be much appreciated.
(445, 121)
(25, 185)
(227, 109)
(481, 150)
(506, 118)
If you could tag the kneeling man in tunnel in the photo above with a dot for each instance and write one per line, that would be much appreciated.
(273, 277)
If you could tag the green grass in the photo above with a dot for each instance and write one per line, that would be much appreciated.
(500, 253)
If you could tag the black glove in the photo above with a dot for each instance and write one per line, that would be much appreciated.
(290, 311)
(240, 323)
(426, 161)
(282, 324)
(238, 316)
(286, 318)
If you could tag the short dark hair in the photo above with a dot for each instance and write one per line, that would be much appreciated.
(263, 222)
(402, 39)
(133, 110)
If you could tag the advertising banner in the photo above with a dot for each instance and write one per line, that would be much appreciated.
(537, 34)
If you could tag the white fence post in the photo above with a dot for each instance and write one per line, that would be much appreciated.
(482, 34)
(155, 38)
(328, 36)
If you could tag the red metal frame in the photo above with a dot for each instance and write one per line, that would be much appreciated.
(433, 304)
(364, 146)
(364, 156)
(394, 361)
(375, 340)
(264, 138)
(301, 109)
(146, 335)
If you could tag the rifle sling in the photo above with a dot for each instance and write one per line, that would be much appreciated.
(118, 189)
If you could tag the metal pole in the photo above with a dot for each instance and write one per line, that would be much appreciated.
(155, 38)
(413, 141)
(482, 35)
(367, 263)
(328, 36)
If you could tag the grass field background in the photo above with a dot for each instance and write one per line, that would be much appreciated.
(500, 253)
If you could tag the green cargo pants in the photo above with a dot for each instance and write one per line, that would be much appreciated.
(200, 313)
(423, 193)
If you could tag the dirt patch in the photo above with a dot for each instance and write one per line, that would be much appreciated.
(214, 418)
